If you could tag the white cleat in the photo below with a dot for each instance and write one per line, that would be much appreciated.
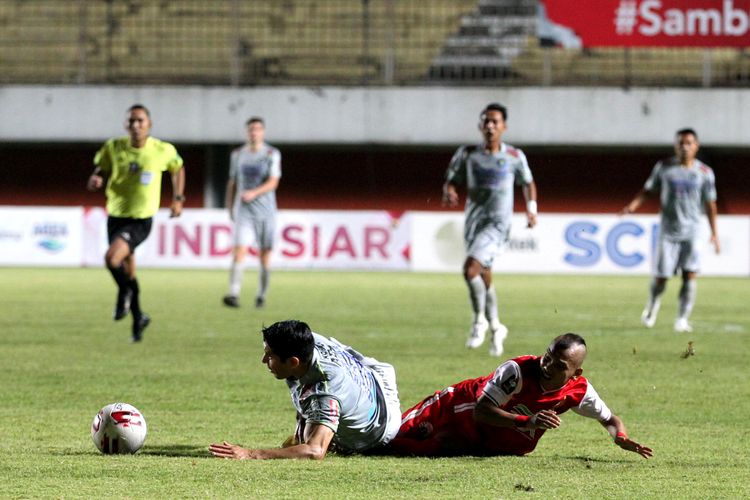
(499, 332)
(477, 334)
(681, 325)
(648, 317)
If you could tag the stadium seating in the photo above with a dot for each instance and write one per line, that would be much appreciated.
(325, 42)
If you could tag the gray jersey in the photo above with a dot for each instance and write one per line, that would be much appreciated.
(341, 393)
(683, 192)
(249, 170)
(490, 179)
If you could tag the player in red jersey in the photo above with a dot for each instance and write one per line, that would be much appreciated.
(508, 411)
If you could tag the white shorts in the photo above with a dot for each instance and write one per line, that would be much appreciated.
(675, 256)
(248, 230)
(385, 376)
(487, 244)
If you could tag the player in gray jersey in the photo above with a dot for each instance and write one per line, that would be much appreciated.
(341, 396)
(490, 172)
(254, 173)
(686, 189)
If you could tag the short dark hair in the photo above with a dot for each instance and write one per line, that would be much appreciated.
(139, 106)
(255, 119)
(495, 106)
(563, 342)
(290, 338)
(686, 131)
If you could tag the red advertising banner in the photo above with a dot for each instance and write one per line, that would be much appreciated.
(646, 23)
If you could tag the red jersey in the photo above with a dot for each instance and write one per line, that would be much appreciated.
(443, 424)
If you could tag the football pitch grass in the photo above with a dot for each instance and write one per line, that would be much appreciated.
(198, 379)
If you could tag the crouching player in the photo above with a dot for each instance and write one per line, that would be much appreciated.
(508, 411)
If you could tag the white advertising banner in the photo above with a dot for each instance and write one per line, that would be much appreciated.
(41, 236)
(576, 243)
(305, 239)
(367, 240)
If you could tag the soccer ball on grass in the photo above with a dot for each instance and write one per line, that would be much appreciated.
(118, 428)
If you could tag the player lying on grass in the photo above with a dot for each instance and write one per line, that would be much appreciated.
(341, 396)
(508, 411)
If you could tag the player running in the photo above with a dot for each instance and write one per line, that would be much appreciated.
(489, 171)
(134, 166)
(686, 188)
(508, 411)
(254, 174)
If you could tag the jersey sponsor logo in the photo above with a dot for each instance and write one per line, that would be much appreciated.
(133, 167)
(490, 177)
(252, 174)
(683, 187)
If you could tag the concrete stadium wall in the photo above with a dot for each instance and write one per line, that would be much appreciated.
(398, 116)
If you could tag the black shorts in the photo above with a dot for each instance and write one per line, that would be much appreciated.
(133, 231)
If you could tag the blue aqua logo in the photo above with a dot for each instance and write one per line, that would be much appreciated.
(52, 236)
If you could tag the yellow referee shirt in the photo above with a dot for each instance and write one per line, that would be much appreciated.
(134, 184)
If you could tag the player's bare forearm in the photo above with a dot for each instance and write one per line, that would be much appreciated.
(229, 195)
(302, 451)
(635, 203)
(529, 194)
(711, 212)
(178, 192)
(619, 433)
(450, 195)
(486, 412)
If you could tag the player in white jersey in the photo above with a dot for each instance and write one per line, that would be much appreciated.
(341, 396)
(686, 189)
(254, 174)
(490, 172)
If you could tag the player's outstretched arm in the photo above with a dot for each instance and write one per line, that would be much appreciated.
(617, 430)
(317, 440)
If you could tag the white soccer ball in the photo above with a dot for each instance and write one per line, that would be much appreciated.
(118, 428)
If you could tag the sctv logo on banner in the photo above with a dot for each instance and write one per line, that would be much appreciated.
(626, 243)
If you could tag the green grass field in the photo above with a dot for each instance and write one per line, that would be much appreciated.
(197, 377)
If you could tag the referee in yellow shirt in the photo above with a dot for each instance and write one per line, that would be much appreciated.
(133, 166)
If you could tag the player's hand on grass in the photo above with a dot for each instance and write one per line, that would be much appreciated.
(628, 444)
(95, 182)
(545, 419)
(228, 450)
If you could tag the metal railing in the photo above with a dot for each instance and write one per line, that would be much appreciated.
(324, 42)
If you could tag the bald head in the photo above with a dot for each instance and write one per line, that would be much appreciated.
(570, 346)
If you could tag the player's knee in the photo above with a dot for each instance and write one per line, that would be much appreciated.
(111, 260)
(472, 268)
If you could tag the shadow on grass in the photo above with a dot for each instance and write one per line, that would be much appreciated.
(177, 450)
(170, 450)
(588, 461)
